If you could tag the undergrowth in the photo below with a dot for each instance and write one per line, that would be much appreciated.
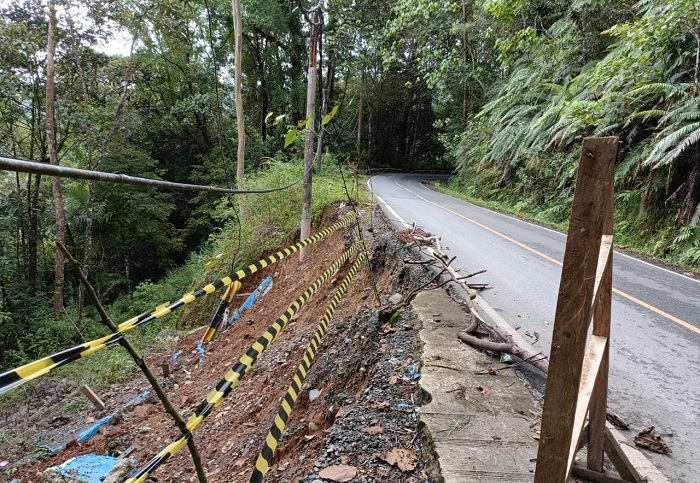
(249, 227)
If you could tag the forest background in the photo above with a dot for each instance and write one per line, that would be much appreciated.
(500, 92)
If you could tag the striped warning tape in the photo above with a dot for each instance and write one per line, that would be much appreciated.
(262, 465)
(17, 377)
(226, 299)
(234, 375)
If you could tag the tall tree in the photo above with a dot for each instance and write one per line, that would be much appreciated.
(59, 275)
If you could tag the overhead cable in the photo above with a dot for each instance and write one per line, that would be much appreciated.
(23, 166)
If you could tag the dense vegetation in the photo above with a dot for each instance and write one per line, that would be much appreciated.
(564, 70)
(501, 91)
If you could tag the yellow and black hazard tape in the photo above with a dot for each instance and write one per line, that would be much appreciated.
(226, 299)
(234, 375)
(20, 375)
(262, 465)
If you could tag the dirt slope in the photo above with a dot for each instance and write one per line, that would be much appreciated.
(366, 373)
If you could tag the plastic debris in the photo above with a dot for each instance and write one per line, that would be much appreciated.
(258, 293)
(91, 432)
(413, 370)
(4, 463)
(89, 468)
(507, 359)
(176, 355)
(403, 406)
(201, 351)
(314, 394)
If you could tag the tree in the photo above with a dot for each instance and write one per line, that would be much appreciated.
(59, 274)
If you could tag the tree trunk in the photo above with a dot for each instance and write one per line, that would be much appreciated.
(309, 145)
(87, 247)
(465, 59)
(89, 204)
(324, 107)
(360, 108)
(264, 95)
(33, 193)
(33, 231)
(240, 121)
(53, 158)
(696, 72)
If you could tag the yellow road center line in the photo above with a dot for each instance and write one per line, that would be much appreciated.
(616, 291)
(656, 310)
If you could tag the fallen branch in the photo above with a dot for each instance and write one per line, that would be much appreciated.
(492, 371)
(509, 348)
(412, 295)
(472, 274)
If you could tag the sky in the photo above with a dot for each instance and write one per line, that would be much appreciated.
(119, 44)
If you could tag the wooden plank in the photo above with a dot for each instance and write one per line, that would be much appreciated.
(591, 365)
(601, 327)
(629, 461)
(595, 173)
(604, 259)
(93, 397)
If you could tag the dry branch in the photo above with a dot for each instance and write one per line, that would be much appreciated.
(537, 359)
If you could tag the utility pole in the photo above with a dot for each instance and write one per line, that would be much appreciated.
(315, 20)
(240, 119)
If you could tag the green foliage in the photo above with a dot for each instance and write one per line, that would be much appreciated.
(571, 72)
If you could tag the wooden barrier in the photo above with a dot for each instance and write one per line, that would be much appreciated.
(576, 394)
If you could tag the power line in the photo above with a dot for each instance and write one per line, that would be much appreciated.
(24, 166)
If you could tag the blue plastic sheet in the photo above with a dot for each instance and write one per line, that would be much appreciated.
(252, 298)
(89, 468)
(90, 432)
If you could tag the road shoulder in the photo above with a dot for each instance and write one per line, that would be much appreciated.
(484, 427)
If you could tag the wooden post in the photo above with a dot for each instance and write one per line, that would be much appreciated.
(93, 397)
(567, 393)
(601, 327)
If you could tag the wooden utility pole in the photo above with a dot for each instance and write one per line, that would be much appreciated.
(53, 159)
(315, 19)
(240, 120)
(578, 371)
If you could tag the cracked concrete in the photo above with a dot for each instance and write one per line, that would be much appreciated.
(484, 427)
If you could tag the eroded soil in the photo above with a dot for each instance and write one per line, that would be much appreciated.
(366, 415)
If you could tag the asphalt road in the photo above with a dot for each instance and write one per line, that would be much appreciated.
(655, 342)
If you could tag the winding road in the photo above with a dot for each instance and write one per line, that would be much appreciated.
(655, 342)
